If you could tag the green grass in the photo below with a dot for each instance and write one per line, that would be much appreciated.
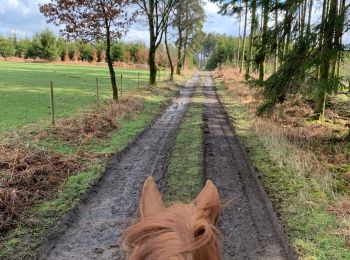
(25, 240)
(185, 172)
(294, 189)
(24, 89)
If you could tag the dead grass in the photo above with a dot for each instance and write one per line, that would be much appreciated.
(93, 124)
(29, 174)
(294, 119)
(315, 150)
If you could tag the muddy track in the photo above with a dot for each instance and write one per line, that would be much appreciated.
(94, 230)
(250, 228)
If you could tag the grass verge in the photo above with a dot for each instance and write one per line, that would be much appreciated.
(33, 227)
(184, 175)
(300, 192)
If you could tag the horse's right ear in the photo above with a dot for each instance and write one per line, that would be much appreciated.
(151, 200)
(209, 201)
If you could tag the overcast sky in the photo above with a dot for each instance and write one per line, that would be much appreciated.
(23, 18)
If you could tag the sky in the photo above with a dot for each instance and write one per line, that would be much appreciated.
(23, 18)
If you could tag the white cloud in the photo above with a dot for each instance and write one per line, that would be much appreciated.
(137, 34)
(18, 6)
(211, 8)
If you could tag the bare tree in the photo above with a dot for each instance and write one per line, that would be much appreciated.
(91, 20)
(157, 13)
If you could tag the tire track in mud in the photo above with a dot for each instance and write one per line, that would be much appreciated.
(94, 230)
(249, 226)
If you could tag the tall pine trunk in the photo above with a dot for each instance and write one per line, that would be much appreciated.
(275, 62)
(239, 41)
(251, 38)
(264, 40)
(326, 57)
(309, 17)
(244, 36)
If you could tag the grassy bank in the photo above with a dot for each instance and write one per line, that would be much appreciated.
(24, 89)
(89, 151)
(184, 175)
(314, 213)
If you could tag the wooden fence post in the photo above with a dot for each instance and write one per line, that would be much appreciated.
(121, 85)
(138, 81)
(52, 101)
(97, 94)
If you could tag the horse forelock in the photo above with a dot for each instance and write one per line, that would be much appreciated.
(181, 232)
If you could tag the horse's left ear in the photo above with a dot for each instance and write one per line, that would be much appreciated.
(151, 200)
(209, 201)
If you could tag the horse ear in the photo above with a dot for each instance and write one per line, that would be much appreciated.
(151, 199)
(209, 201)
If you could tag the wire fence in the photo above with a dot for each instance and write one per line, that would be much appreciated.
(126, 83)
(34, 92)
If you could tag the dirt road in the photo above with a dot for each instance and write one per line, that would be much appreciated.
(94, 231)
(249, 226)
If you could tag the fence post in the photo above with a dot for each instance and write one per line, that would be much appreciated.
(97, 94)
(138, 81)
(121, 85)
(52, 104)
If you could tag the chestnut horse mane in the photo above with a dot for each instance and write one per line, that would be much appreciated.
(181, 231)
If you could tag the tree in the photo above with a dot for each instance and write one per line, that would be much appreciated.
(118, 52)
(91, 21)
(157, 13)
(264, 41)
(167, 48)
(253, 28)
(7, 48)
(187, 21)
(244, 36)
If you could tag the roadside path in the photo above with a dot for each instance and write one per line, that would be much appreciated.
(94, 230)
(249, 226)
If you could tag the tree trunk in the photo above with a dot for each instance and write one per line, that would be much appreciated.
(326, 59)
(239, 41)
(152, 65)
(179, 52)
(152, 56)
(171, 64)
(264, 40)
(152, 47)
(321, 35)
(309, 18)
(110, 64)
(244, 36)
(251, 39)
(339, 27)
(275, 62)
(185, 45)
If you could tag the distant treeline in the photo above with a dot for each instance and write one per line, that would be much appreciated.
(218, 49)
(46, 46)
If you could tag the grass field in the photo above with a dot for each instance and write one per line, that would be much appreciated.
(24, 89)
